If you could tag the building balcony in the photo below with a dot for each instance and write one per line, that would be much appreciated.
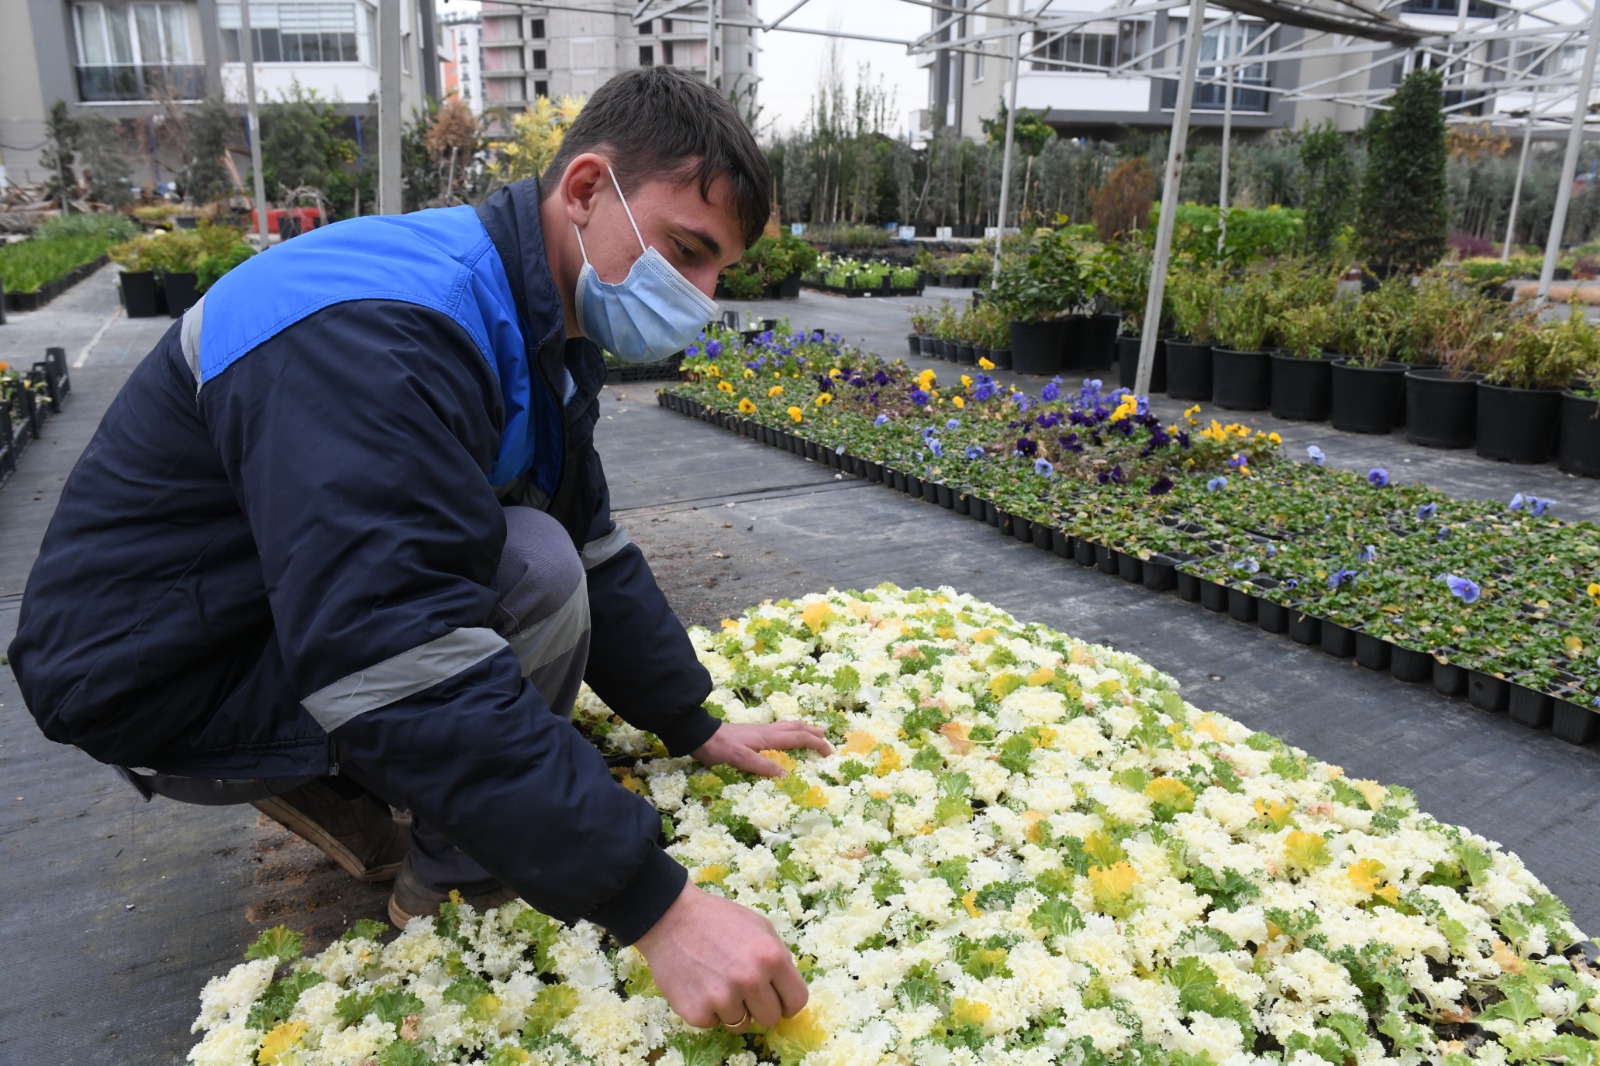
(107, 84)
(509, 72)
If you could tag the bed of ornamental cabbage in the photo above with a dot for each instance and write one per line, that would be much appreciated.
(1025, 849)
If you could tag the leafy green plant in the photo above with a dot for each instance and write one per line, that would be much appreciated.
(1054, 278)
(1125, 265)
(1550, 356)
(1192, 293)
(212, 265)
(1303, 331)
(1404, 215)
(1328, 174)
(1242, 314)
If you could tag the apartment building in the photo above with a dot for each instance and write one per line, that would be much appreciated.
(1060, 78)
(530, 52)
(131, 59)
(461, 58)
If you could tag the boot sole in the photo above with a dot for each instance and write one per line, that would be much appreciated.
(317, 837)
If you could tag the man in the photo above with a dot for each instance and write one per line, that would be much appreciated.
(343, 542)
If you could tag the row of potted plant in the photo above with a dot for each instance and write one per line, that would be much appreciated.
(165, 272)
(849, 276)
(1427, 581)
(63, 251)
(771, 268)
(963, 336)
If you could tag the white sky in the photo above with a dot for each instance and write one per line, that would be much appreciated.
(792, 64)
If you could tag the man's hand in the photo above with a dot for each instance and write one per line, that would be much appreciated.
(718, 962)
(740, 746)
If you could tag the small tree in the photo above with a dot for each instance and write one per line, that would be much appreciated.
(60, 155)
(1029, 134)
(536, 136)
(212, 128)
(1405, 210)
(1328, 175)
(1122, 203)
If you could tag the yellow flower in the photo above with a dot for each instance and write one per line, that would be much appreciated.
(748, 373)
(985, 364)
(724, 386)
(925, 379)
(796, 414)
(966, 381)
(774, 392)
(959, 402)
(713, 371)
(747, 406)
(1594, 593)
(824, 398)
(1274, 438)
(836, 373)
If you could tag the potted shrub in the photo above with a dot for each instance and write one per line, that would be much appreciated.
(1192, 295)
(921, 322)
(1579, 448)
(1367, 384)
(142, 296)
(1126, 278)
(1460, 331)
(1519, 398)
(1241, 371)
(1038, 290)
(1301, 381)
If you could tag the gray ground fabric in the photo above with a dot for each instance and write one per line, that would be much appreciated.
(120, 910)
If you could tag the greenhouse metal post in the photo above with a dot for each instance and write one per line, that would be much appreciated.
(389, 107)
(1005, 161)
(247, 52)
(1516, 189)
(1569, 165)
(1169, 198)
(1227, 133)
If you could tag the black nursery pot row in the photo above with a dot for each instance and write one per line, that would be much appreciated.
(1530, 707)
(1436, 408)
(32, 301)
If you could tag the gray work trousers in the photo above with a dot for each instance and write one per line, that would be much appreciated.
(543, 613)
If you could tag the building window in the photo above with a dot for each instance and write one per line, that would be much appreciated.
(1476, 9)
(1098, 46)
(666, 25)
(538, 59)
(536, 29)
(134, 52)
(647, 55)
(296, 33)
(541, 88)
(1249, 79)
(750, 60)
(645, 27)
(977, 66)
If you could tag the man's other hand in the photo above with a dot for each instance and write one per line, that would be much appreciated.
(740, 746)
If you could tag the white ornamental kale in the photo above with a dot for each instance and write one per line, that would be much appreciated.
(1025, 849)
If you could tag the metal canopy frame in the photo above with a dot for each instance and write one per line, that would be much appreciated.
(1501, 55)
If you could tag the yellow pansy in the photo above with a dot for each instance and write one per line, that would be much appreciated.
(724, 386)
(796, 414)
(958, 401)
(985, 364)
(774, 392)
(747, 406)
(824, 398)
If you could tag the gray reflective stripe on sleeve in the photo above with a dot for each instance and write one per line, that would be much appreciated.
(189, 339)
(403, 675)
(598, 551)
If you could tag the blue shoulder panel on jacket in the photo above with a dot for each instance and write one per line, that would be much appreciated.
(442, 259)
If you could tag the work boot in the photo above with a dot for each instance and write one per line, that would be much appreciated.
(358, 832)
(411, 898)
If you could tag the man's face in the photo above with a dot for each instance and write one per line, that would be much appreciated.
(699, 236)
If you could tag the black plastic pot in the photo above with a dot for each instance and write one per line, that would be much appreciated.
(1083, 551)
(181, 292)
(1529, 707)
(1160, 573)
(1188, 586)
(1043, 536)
(1366, 399)
(1372, 652)
(928, 345)
(1036, 347)
(1001, 358)
(1573, 722)
(915, 342)
(1188, 370)
(1213, 595)
(1128, 364)
(1578, 450)
(1487, 692)
(1130, 567)
(1304, 628)
(1337, 640)
(1241, 381)
(1105, 558)
(1301, 389)
(1410, 665)
(1241, 605)
(1022, 528)
(1449, 679)
(1518, 425)
(1441, 408)
(1272, 616)
(142, 295)
(966, 355)
(1091, 342)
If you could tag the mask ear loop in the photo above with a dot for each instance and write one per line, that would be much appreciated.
(629, 211)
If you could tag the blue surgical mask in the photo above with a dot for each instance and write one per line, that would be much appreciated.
(648, 315)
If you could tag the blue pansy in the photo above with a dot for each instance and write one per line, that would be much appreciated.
(1316, 455)
(1043, 467)
(1426, 511)
(974, 452)
(1378, 476)
(1463, 587)
(880, 420)
(1216, 484)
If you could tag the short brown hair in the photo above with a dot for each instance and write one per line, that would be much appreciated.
(662, 123)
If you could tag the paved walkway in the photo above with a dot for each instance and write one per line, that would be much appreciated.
(122, 910)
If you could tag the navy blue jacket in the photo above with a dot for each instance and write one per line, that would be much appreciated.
(279, 551)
